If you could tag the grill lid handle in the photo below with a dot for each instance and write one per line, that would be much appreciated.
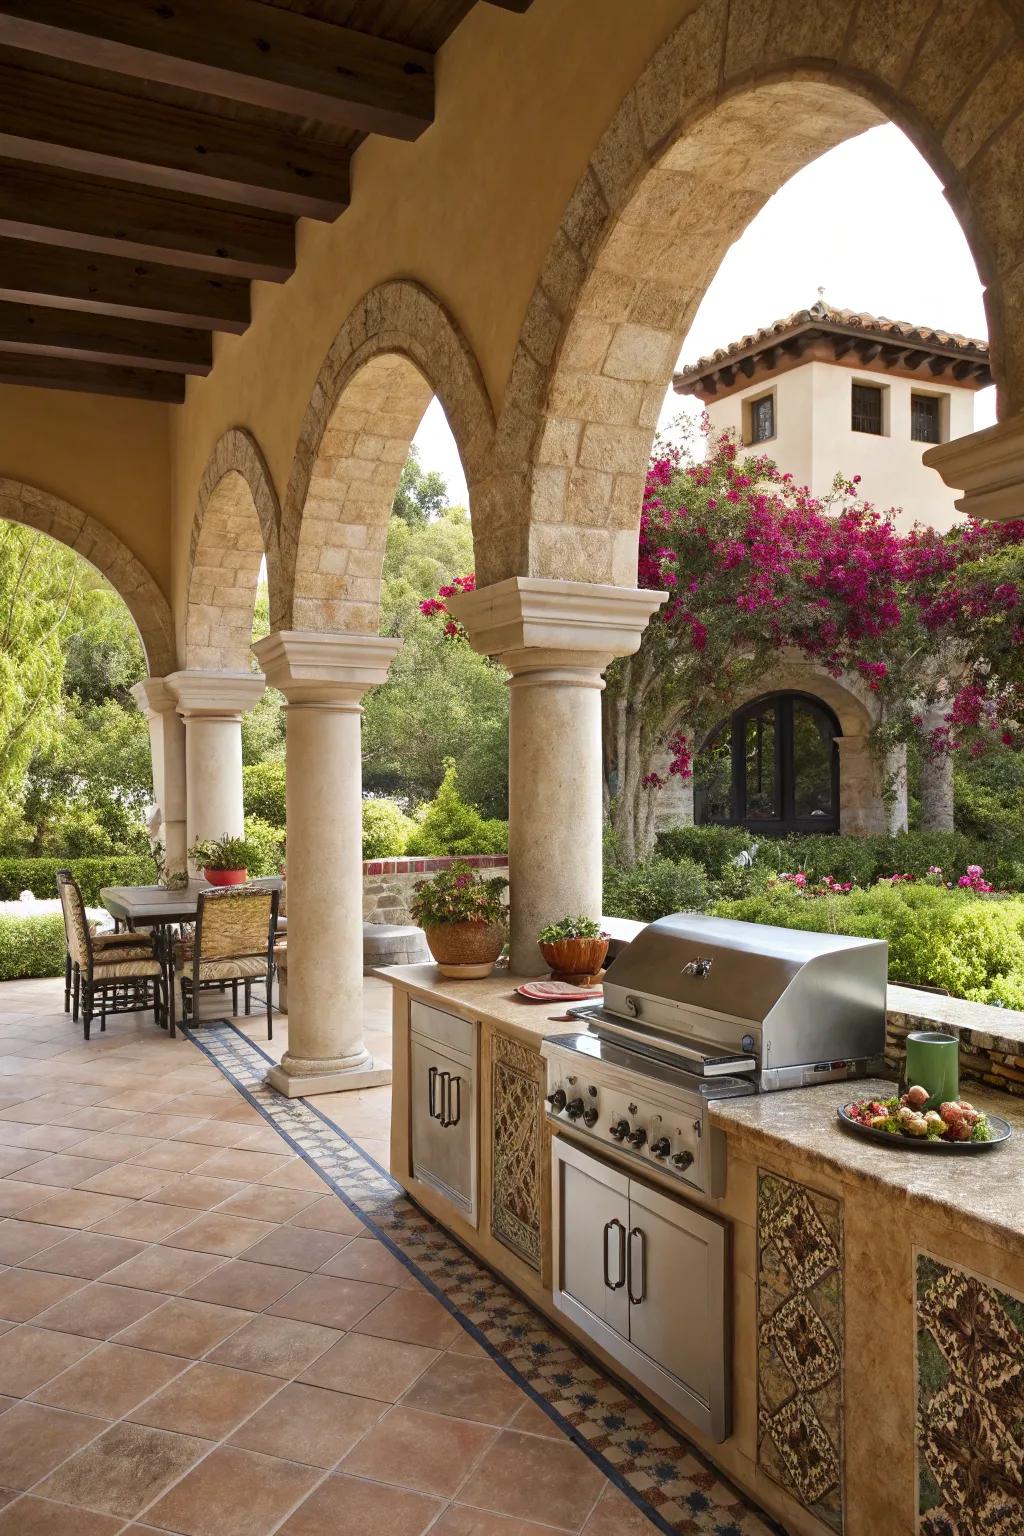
(699, 966)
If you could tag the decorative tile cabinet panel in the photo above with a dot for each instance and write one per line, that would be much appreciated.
(517, 1175)
(970, 1404)
(800, 1344)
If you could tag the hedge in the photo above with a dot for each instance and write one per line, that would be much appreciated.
(40, 876)
(31, 946)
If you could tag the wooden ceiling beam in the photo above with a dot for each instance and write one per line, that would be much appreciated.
(114, 285)
(81, 126)
(46, 332)
(91, 378)
(937, 365)
(520, 6)
(272, 58)
(914, 359)
(89, 213)
(868, 351)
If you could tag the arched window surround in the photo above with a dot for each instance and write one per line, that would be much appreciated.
(762, 788)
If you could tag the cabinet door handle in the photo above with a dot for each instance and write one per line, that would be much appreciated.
(432, 1093)
(443, 1080)
(453, 1118)
(609, 1227)
(642, 1266)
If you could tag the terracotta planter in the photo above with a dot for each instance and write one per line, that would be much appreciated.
(226, 876)
(575, 957)
(466, 950)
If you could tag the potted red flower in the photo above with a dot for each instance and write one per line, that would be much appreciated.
(463, 917)
(224, 860)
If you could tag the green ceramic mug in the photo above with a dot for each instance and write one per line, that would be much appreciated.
(933, 1062)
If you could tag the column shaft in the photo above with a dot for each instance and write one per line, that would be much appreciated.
(211, 705)
(167, 750)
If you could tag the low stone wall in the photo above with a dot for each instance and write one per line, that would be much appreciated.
(388, 884)
(991, 1039)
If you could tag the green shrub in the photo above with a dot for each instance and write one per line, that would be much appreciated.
(266, 846)
(40, 876)
(970, 946)
(654, 888)
(714, 848)
(449, 826)
(264, 793)
(31, 946)
(386, 829)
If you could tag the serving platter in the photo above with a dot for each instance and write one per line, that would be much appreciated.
(1000, 1128)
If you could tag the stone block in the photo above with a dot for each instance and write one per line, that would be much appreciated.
(639, 352)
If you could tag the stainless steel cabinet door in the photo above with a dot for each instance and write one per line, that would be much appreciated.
(443, 1105)
(593, 1211)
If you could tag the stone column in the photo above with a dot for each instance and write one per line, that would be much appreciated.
(555, 638)
(673, 804)
(212, 705)
(167, 747)
(323, 677)
(936, 775)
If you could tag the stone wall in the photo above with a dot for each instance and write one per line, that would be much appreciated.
(388, 884)
(991, 1039)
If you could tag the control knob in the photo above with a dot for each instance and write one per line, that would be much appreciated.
(619, 1129)
(557, 1100)
(662, 1147)
(590, 1116)
(682, 1160)
(637, 1137)
(574, 1109)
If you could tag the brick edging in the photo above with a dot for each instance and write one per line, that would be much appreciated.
(430, 866)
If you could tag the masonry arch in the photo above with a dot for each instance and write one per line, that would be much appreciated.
(88, 537)
(236, 525)
(735, 101)
(397, 349)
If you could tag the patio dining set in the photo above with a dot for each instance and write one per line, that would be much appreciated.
(199, 939)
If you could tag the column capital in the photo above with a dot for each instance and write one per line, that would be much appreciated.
(988, 466)
(325, 668)
(153, 696)
(213, 695)
(534, 623)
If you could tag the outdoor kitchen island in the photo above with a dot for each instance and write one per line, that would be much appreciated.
(862, 1288)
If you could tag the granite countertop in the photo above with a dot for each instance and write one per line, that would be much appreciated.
(494, 999)
(983, 1191)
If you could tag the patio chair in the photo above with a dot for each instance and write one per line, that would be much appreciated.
(113, 946)
(120, 978)
(235, 932)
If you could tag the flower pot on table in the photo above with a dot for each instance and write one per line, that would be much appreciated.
(465, 950)
(226, 876)
(575, 959)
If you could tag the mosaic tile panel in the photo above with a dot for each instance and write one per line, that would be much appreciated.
(970, 1404)
(518, 1148)
(661, 1472)
(800, 1344)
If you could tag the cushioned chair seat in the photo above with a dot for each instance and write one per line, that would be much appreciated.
(126, 969)
(122, 941)
(112, 955)
(237, 968)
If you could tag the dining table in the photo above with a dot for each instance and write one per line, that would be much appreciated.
(162, 911)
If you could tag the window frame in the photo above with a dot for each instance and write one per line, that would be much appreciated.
(786, 820)
(752, 405)
(940, 401)
(882, 391)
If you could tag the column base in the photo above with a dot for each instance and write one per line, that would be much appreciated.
(296, 1081)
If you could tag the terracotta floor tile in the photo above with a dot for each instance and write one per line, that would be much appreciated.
(19, 1240)
(369, 1367)
(174, 1156)
(266, 1204)
(181, 1327)
(238, 1284)
(277, 1345)
(44, 1138)
(465, 1344)
(615, 1515)
(425, 1451)
(414, 1316)
(207, 1400)
(237, 1163)
(367, 1259)
(29, 1356)
(99, 1311)
(198, 1193)
(35, 1439)
(65, 1170)
(74, 1208)
(329, 1214)
(110, 1381)
(309, 1424)
(141, 1099)
(460, 1520)
(268, 1139)
(534, 1421)
(13, 1158)
(213, 1133)
(294, 1175)
(173, 1126)
(466, 1389)
(534, 1479)
(129, 1180)
(122, 1471)
(323, 1299)
(87, 1255)
(41, 1517)
(298, 1248)
(24, 1293)
(149, 1221)
(164, 1269)
(233, 1493)
(219, 1232)
(114, 1146)
(344, 1505)
(16, 1197)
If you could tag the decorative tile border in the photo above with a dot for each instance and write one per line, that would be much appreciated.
(662, 1473)
(800, 1343)
(970, 1403)
(518, 1148)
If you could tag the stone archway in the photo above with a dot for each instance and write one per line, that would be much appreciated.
(236, 523)
(737, 99)
(88, 537)
(396, 350)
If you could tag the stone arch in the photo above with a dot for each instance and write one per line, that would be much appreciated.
(236, 523)
(739, 97)
(397, 349)
(88, 537)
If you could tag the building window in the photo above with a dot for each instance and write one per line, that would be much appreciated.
(925, 419)
(772, 767)
(866, 415)
(762, 419)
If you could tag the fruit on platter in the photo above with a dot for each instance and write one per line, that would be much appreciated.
(904, 1115)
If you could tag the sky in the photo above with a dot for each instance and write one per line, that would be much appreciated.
(867, 222)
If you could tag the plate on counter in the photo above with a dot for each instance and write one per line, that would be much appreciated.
(1000, 1128)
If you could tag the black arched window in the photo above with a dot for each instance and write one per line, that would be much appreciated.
(773, 766)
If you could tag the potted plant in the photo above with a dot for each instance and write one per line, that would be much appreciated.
(574, 948)
(463, 917)
(224, 860)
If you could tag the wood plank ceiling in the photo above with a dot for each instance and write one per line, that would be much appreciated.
(155, 157)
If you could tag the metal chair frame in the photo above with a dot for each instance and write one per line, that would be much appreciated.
(115, 994)
(190, 988)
